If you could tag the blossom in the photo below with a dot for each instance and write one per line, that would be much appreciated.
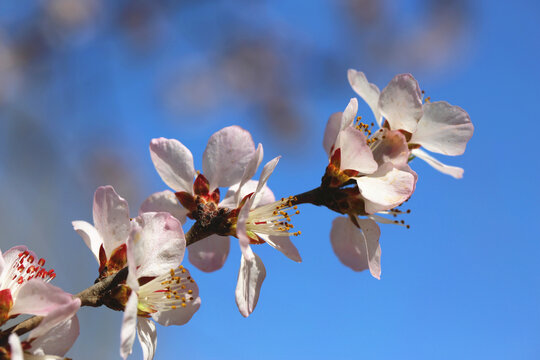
(437, 126)
(24, 289)
(52, 344)
(376, 163)
(157, 285)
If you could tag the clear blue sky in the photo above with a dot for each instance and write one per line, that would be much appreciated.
(462, 283)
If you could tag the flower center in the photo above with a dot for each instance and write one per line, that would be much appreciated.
(273, 219)
(168, 292)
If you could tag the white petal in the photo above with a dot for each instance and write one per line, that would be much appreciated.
(264, 196)
(174, 163)
(250, 278)
(58, 340)
(9, 258)
(367, 91)
(39, 298)
(387, 188)
(391, 147)
(253, 165)
(111, 218)
(158, 244)
(444, 129)
(453, 171)
(241, 232)
(164, 201)
(55, 318)
(331, 132)
(355, 153)
(283, 244)
(267, 170)
(356, 249)
(146, 331)
(349, 114)
(227, 155)
(209, 254)
(401, 104)
(129, 323)
(16, 348)
(90, 235)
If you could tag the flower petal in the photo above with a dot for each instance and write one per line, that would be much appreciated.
(367, 91)
(331, 132)
(54, 318)
(267, 170)
(111, 218)
(39, 298)
(264, 196)
(8, 260)
(391, 147)
(358, 250)
(90, 236)
(174, 163)
(250, 278)
(253, 165)
(355, 153)
(227, 155)
(453, 171)
(164, 201)
(16, 348)
(349, 114)
(387, 188)
(401, 104)
(241, 231)
(209, 254)
(129, 324)
(158, 243)
(283, 244)
(146, 331)
(444, 129)
(58, 340)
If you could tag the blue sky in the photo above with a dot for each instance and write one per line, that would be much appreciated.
(463, 282)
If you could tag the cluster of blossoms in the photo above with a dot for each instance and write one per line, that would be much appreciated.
(140, 269)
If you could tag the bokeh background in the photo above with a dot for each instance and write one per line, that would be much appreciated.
(85, 85)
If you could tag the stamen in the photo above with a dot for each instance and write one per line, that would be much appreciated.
(273, 219)
(22, 269)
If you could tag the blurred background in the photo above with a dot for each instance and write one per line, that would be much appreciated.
(85, 85)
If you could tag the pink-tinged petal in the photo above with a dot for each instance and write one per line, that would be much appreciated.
(129, 324)
(241, 231)
(182, 314)
(250, 278)
(355, 153)
(372, 233)
(331, 132)
(391, 147)
(111, 218)
(253, 165)
(132, 278)
(158, 243)
(174, 163)
(367, 91)
(58, 340)
(15, 347)
(283, 244)
(146, 331)
(227, 155)
(356, 249)
(209, 254)
(9, 258)
(39, 298)
(267, 170)
(387, 188)
(90, 236)
(349, 114)
(164, 201)
(453, 171)
(444, 129)
(264, 196)
(401, 104)
(56, 317)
